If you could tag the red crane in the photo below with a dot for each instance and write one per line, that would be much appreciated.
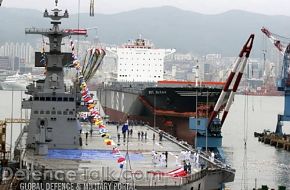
(274, 39)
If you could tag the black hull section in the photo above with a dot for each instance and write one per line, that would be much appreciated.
(167, 108)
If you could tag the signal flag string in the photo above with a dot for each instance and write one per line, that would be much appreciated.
(92, 61)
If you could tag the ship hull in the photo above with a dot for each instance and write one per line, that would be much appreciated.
(13, 86)
(166, 108)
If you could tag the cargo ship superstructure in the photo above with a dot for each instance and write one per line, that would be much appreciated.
(141, 93)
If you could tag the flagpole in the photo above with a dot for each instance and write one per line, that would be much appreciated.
(195, 143)
(207, 120)
(11, 129)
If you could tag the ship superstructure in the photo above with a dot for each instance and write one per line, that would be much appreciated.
(53, 120)
(140, 61)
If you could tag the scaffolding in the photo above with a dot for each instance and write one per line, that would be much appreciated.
(6, 155)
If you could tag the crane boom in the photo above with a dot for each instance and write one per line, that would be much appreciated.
(277, 43)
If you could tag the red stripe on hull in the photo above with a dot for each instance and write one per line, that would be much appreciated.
(179, 128)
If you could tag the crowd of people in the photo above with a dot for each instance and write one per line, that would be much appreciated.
(185, 159)
(159, 159)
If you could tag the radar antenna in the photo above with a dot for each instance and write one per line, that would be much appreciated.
(56, 2)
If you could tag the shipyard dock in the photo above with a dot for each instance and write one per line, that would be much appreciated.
(275, 140)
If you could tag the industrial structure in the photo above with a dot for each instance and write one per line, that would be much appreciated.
(283, 81)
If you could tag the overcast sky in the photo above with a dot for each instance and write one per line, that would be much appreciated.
(269, 7)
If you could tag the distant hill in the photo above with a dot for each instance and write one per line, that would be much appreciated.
(167, 27)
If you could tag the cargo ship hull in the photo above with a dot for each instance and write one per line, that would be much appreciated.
(167, 108)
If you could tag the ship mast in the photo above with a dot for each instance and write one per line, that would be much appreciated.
(54, 34)
(54, 65)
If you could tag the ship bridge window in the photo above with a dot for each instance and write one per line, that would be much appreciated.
(59, 112)
(47, 99)
(53, 112)
(71, 112)
(47, 112)
(42, 98)
(59, 99)
(71, 99)
(36, 98)
(41, 112)
(53, 98)
(65, 99)
(64, 112)
(35, 112)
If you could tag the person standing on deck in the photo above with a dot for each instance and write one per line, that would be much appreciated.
(188, 168)
(177, 160)
(118, 136)
(197, 160)
(184, 166)
(160, 136)
(212, 157)
(166, 158)
(162, 160)
(87, 134)
(194, 157)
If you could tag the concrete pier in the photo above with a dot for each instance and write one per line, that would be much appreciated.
(272, 139)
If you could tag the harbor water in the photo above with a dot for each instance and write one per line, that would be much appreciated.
(254, 163)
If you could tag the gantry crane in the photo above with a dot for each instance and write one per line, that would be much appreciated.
(283, 82)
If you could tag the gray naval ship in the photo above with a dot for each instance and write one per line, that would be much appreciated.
(56, 151)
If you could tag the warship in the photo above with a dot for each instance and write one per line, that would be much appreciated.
(55, 151)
